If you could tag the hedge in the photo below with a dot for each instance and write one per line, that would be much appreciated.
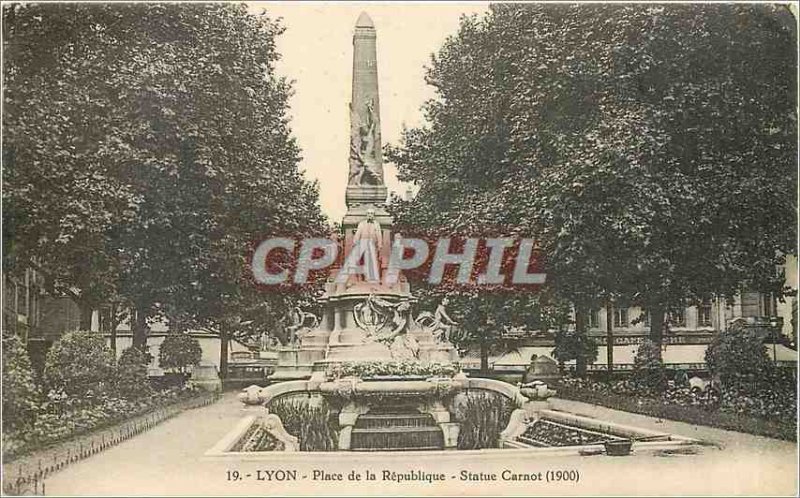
(785, 429)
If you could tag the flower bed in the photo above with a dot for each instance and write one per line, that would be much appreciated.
(26, 472)
(391, 369)
(549, 434)
(56, 425)
(483, 416)
(311, 424)
(257, 439)
(771, 413)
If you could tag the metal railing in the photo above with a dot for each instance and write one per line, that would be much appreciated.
(26, 475)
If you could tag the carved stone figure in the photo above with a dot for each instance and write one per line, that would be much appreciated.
(300, 323)
(439, 323)
(367, 239)
(374, 313)
(368, 316)
(400, 317)
(404, 347)
(356, 154)
(364, 154)
(363, 146)
(264, 341)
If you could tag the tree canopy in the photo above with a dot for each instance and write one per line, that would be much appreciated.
(651, 150)
(147, 149)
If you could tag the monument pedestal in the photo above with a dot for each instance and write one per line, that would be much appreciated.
(371, 321)
(357, 351)
(364, 321)
(360, 196)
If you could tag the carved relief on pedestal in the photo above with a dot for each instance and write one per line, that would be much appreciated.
(365, 167)
(387, 322)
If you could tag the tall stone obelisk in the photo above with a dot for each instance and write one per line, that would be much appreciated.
(365, 184)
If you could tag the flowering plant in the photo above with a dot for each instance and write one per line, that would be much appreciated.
(369, 369)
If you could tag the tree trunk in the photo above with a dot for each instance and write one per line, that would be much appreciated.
(139, 328)
(610, 338)
(484, 356)
(657, 313)
(580, 333)
(223, 353)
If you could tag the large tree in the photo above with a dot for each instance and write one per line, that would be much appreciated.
(650, 149)
(63, 194)
(149, 150)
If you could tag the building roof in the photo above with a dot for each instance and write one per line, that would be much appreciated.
(782, 353)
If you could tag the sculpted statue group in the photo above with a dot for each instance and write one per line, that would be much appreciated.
(388, 322)
(296, 324)
(384, 321)
(363, 151)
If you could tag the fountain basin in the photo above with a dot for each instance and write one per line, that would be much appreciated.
(641, 442)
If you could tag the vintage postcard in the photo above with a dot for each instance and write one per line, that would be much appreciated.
(399, 248)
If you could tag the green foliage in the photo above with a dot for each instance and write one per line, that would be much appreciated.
(648, 369)
(391, 369)
(768, 413)
(310, 423)
(146, 147)
(483, 416)
(55, 423)
(179, 351)
(621, 137)
(739, 357)
(571, 345)
(258, 438)
(132, 381)
(80, 365)
(20, 393)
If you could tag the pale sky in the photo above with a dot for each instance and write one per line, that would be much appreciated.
(317, 53)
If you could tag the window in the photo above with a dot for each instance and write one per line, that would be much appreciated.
(621, 317)
(677, 318)
(767, 305)
(644, 318)
(704, 314)
(594, 319)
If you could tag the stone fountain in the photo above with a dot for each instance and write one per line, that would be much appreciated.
(389, 376)
(364, 317)
(368, 318)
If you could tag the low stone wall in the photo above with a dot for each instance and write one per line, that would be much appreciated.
(510, 391)
(26, 475)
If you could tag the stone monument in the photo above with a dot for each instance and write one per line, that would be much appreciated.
(365, 185)
(364, 317)
(367, 321)
(385, 372)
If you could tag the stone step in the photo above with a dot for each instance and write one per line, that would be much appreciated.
(418, 448)
(394, 415)
(397, 421)
(398, 430)
(382, 440)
